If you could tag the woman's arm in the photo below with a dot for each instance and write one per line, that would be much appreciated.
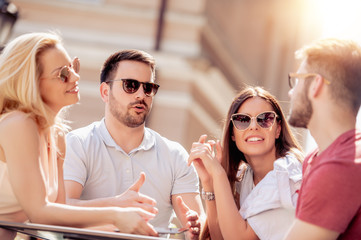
(202, 148)
(21, 142)
(212, 219)
(231, 223)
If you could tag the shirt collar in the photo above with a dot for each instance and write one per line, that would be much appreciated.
(147, 143)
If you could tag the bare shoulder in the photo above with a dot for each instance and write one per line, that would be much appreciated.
(16, 125)
(17, 118)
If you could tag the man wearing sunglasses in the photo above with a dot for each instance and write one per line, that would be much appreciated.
(105, 159)
(325, 98)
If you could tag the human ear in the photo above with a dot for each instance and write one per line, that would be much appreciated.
(278, 131)
(104, 91)
(316, 86)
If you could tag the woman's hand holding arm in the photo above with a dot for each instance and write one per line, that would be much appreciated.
(199, 153)
(222, 214)
(22, 146)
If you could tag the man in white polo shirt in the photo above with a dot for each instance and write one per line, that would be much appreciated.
(105, 159)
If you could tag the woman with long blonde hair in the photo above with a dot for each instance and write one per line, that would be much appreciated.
(37, 80)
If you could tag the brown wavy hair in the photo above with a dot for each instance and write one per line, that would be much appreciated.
(233, 160)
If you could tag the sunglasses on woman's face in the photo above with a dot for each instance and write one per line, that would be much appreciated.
(131, 86)
(242, 121)
(65, 71)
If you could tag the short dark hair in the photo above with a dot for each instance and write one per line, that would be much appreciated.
(111, 64)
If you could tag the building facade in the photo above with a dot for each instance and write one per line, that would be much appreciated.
(205, 50)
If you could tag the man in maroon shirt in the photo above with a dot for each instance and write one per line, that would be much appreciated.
(325, 98)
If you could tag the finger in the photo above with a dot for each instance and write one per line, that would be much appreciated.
(202, 138)
(193, 233)
(209, 145)
(197, 151)
(196, 145)
(192, 224)
(200, 154)
(147, 200)
(144, 228)
(211, 142)
(149, 229)
(195, 230)
(182, 206)
(147, 207)
(136, 186)
(197, 163)
(192, 216)
(219, 151)
(145, 214)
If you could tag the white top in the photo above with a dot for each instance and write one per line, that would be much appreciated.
(94, 160)
(270, 206)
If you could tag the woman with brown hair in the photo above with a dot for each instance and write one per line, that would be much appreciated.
(251, 181)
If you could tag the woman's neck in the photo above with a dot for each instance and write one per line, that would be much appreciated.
(261, 165)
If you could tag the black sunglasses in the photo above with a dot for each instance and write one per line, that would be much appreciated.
(242, 121)
(65, 71)
(132, 85)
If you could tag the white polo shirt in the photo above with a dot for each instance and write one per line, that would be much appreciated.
(94, 160)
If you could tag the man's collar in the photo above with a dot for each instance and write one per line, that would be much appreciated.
(147, 143)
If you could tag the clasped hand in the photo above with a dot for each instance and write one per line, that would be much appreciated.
(206, 158)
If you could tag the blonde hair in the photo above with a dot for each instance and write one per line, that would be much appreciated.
(339, 61)
(20, 70)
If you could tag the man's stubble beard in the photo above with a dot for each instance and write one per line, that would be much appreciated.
(302, 110)
(127, 119)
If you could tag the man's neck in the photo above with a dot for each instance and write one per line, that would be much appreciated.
(125, 137)
(326, 128)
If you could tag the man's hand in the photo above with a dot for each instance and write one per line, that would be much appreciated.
(133, 198)
(193, 223)
(134, 221)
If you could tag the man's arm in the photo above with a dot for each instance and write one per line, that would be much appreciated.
(302, 230)
(73, 191)
(130, 198)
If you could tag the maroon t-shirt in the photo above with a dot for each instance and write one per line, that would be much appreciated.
(330, 195)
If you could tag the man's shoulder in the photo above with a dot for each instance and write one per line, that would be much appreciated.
(84, 133)
(165, 143)
(345, 149)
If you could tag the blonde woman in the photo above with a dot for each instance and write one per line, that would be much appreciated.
(37, 80)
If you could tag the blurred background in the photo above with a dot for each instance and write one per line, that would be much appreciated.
(206, 50)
